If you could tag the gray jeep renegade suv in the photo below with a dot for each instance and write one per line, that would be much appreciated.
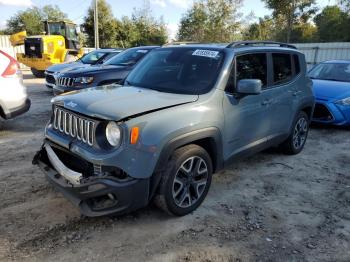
(183, 113)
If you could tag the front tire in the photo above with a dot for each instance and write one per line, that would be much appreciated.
(186, 181)
(296, 140)
(38, 73)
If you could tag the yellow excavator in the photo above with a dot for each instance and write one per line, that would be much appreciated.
(59, 44)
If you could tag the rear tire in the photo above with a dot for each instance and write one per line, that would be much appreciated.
(296, 140)
(186, 181)
(38, 73)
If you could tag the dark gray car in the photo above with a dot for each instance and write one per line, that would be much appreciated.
(94, 57)
(112, 71)
(184, 113)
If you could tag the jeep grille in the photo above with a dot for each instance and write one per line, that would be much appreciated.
(73, 125)
(65, 81)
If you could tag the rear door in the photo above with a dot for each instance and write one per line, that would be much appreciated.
(285, 79)
(247, 118)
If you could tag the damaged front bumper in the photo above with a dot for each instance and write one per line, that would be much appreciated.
(95, 194)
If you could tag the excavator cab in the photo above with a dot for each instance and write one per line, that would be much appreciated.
(67, 30)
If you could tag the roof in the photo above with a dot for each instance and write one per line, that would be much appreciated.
(145, 47)
(339, 61)
(108, 49)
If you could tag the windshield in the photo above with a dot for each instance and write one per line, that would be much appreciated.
(178, 70)
(57, 29)
(72, 32)
(334, 72)
(93, 57)
(128, 57)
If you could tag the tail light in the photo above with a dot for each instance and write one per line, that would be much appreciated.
(12, 68)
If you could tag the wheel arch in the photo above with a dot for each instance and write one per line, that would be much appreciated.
(208, 138)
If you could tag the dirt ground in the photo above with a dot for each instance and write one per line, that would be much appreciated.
(269, 207)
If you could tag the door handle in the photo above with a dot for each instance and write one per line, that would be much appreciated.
(295, 92)
(266, 102)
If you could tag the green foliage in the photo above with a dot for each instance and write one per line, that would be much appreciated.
(291, 12)
(147, 29)
(333, 25)
(31, 19)
(290, 22)
(106, 25)
(211, 21)
(263, 30)
(141, 29)
(345, 4)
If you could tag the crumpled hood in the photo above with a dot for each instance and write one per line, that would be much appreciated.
(92, 69)
(115, 102)
(330, 89)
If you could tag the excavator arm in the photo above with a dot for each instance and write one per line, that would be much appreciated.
(18, 38)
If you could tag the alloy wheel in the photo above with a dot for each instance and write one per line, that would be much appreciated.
(190, 182)
(300, 133)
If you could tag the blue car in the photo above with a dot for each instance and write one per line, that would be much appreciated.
(331, 84)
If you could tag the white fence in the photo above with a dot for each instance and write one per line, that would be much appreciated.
(5, 45)
(318, 52)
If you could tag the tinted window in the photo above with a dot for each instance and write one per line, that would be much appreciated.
(331, 71)
(178, 70)
(92, 57)
(252, 66)
(296, 64)
(128, 57)
(282, 68)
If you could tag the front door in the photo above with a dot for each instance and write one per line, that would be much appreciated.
(248, 118)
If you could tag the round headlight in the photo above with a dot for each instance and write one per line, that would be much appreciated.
(113, 134)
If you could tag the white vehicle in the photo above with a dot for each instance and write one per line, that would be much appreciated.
(13, 94)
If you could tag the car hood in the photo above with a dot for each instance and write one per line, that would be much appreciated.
(115, 102)
(92, 69)
(330, 89)
(65, 66)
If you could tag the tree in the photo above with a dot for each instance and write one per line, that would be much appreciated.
(107, 25)
(291, 12)
(211, 21)
(147, 29)
(141, 29)
(263, 30)
(333, 25)
(31, 19)
(345, 4)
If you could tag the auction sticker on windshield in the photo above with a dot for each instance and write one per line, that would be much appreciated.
(206, 53)
(142, 51)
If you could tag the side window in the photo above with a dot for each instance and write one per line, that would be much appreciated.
(296, 64)
(252, 66)
(282, 68)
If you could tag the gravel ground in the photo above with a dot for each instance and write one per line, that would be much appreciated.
(269, 207)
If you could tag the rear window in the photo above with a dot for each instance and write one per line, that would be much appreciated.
(178, 70)
(282, 68)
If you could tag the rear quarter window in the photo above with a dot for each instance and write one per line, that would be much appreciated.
(282, 68)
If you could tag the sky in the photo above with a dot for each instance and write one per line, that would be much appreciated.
(171, 10)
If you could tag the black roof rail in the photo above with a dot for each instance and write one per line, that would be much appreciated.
(247, 43)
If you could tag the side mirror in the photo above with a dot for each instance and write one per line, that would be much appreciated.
(249, 86)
